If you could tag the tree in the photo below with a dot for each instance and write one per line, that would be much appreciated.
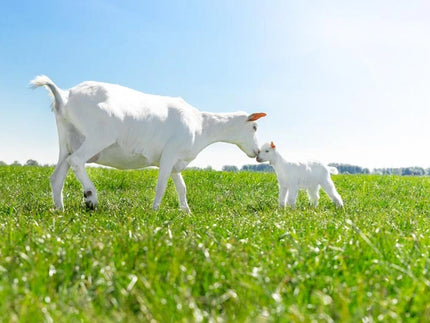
(413, 171)
(31, 162)
(230, 168)
(350, 169)
(404, 171)
(258, 168)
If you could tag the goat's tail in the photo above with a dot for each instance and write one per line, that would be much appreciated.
(57, 94)
(333, 170)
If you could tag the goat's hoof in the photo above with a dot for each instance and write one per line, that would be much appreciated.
(88, 194)
(90, 205)
(59, 208)
(90, 200)
(186, 209)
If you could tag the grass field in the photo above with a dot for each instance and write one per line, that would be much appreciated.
(237, 257)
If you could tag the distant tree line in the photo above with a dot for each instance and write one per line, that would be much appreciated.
(404, 171)
(342, 168)
(350, 169)
(249, 168)
(30, 162)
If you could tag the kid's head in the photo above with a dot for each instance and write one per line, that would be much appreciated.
(266, 152)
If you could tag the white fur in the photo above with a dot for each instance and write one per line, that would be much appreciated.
(116, 126)
(292, 176)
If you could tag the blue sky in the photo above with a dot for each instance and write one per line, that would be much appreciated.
(341, 81)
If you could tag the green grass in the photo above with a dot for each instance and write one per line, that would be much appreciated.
(237, 257)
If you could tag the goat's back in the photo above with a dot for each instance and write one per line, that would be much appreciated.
(110, 105)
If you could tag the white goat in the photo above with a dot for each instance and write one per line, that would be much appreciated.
(292, 176)
(116, 126)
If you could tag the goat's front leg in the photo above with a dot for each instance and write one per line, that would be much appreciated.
(181, 190)
(166, 166)
(283, 190)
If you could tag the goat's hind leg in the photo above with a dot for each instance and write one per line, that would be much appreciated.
(292, 196)
(57, 181)
(59, 175)
(330, 189)
(77, 161)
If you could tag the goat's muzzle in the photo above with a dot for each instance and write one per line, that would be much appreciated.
(256, 152)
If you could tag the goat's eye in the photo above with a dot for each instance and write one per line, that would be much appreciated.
(267, 151)
(255, 127)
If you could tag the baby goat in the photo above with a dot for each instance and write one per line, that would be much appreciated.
(292, 176)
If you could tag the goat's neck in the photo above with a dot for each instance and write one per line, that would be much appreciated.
(218, 127)
(277, 160)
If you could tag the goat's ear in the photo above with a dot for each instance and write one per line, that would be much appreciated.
(256, 116)
(272, 145)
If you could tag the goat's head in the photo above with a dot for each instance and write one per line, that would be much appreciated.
(246, 138)
(266, 153)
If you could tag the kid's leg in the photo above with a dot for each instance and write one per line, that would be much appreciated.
(330, 189)
(314, 195)
(292, 196)
(282, 196)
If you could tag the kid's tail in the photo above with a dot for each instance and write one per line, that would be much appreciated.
(57, 94)
(333, 170)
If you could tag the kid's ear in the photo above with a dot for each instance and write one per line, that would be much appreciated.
(272, 145)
